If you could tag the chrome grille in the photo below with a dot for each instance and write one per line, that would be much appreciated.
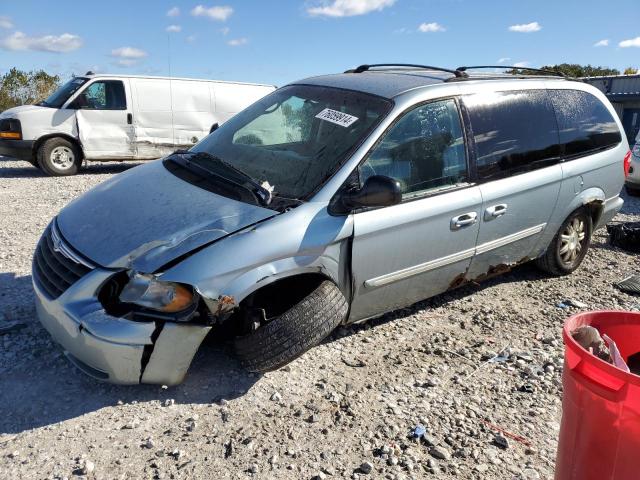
(56, 266)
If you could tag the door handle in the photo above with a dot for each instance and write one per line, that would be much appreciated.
(129, 118)
(464, 220)
(495, 211)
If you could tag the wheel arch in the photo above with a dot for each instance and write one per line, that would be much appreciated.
(40, 141)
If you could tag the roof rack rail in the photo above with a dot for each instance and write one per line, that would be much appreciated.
(507, 67)
(363, 68)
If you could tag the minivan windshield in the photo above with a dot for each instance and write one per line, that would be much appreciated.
(61, 95)
(292, 140)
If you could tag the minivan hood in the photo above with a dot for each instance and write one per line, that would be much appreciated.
(146, 217)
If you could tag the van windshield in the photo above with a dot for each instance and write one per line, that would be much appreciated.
(61, 95)
(294, 139)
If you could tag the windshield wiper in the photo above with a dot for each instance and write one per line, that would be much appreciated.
(261, 194)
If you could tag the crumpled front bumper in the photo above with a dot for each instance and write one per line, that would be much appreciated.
(115, 349)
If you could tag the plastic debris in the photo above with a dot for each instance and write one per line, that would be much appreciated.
(419, 431)
(625, 235)
(616, 358)
(630, 284)
(589, 338)
(500, 358)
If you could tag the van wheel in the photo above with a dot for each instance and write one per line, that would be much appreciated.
(569, 247)
(59, 157)
(294, 332)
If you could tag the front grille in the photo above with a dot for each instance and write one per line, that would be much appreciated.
(55, 265)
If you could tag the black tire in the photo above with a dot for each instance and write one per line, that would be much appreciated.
(634, 192)
(294, 332)
(59, 157)
(559, 263)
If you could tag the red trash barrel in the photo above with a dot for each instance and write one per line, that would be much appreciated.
(600, 430)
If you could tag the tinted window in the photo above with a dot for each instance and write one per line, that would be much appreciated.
(514, 132)
(103, 95)
(585, 123)
(423, 150)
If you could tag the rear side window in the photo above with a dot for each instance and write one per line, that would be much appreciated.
(514, 132)
(585, 124)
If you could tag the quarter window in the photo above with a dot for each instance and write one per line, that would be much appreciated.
(424, 150)
(103, 95)
(585, 124)
(514, 132)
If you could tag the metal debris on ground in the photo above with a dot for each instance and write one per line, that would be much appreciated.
(9, 327)
(625, 235)
(630, 284)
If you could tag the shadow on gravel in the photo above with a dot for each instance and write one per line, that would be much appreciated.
(39, 387)
(29, 171)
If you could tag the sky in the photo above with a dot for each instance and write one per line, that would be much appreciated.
(275, 42)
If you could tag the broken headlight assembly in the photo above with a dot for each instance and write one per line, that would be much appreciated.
(147, 291)
(141, 296)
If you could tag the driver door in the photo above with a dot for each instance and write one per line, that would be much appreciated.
(424, 245)
(105, 120)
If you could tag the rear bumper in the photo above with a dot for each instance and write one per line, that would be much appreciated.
(611, 207)
(21, 149)
(114, 349)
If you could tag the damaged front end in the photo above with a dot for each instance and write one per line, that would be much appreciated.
(123, 326)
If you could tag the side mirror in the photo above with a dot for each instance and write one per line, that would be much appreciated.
(377, 191)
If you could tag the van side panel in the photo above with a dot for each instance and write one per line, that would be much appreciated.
(152, 118)
(192, 111)
(231, 98)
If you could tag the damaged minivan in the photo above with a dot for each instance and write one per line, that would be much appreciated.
(331, 200)
(102, 117)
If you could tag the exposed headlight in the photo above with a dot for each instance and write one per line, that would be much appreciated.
(147, 291)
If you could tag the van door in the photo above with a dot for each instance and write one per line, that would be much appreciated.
(152, 118)
(518, 168)
(104, 119)
(191, 104)
(424, 245)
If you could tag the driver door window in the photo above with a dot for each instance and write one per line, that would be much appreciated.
(103, 95)
(424, 150)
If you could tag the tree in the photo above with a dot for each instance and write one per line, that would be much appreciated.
(18, 87)
(571, 70)
(630, 71)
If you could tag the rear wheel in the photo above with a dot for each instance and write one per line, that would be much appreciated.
(291, 334)
(569, 247)
(59, 157)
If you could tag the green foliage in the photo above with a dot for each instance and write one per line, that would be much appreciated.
(22, 88)
(572, 70)
(630, 71)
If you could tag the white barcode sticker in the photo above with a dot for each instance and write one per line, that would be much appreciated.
(334, 116)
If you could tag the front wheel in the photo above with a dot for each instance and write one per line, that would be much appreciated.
(59, 157)
(569, 247)
(291, 334)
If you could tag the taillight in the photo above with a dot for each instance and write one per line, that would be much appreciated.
(627, 163)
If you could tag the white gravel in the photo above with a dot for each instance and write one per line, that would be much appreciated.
(344, 410)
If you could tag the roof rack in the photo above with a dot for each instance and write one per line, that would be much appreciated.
(363, 68)
(507, 67)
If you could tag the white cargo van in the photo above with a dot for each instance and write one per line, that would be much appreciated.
(118, 117)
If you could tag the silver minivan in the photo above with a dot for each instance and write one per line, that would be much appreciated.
(331, 200)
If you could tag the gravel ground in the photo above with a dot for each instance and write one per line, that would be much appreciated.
(343, 410)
